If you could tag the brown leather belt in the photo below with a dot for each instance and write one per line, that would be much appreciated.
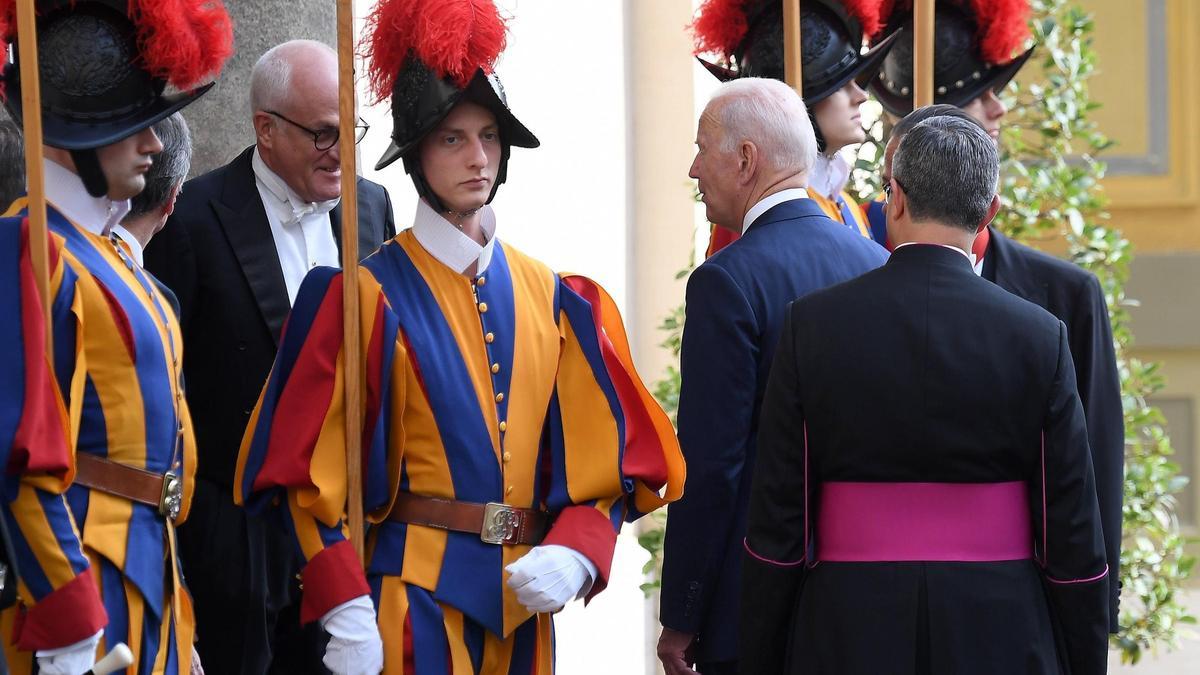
(163, 491)
(495, 523)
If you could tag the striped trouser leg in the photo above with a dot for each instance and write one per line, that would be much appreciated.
(424, 637)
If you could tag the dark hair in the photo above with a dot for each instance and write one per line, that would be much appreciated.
(949, 170)
(12, 162)
(170, 166)
(919, 115)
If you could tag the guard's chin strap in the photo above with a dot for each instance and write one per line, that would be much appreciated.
(87, 164)
(412, 166)
(817, 132)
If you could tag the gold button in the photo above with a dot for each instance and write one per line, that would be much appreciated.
(507, 457)
(503, 425)
(495, 367)
(480, 281)
(489, 338)
(500, 397)
(509, 491)
(483, 308)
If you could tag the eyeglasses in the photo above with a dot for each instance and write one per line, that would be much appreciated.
(326, 137)
(887, 189)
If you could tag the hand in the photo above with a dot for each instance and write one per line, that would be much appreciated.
(74, 659)
(548, 577)
(197, 667)
(354, 645)
(675, 652)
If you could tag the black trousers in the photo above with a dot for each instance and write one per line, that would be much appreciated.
(717, 668)
(241, 571)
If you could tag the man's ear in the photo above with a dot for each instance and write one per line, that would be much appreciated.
(993, 209)
(264, 126)
(169, 207)
(747, 162)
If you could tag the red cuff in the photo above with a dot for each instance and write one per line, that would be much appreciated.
(332, 577)
(63, 617)
(586, 530)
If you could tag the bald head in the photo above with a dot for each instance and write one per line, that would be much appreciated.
(294, 96)
(293, 71)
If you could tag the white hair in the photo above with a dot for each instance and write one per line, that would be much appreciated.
(769, 114)
(271, 77)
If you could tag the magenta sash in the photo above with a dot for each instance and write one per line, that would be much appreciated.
(969, 522)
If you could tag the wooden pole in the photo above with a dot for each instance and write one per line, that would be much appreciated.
(792, 53)
(347, 116)
(922, 53)
(31, 113)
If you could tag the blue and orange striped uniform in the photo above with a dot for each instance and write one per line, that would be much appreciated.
(58, 603)
(875, 211)
(132, 411)
(843, 210)
(512, 386)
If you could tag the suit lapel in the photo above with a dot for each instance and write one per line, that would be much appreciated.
(244, 220)
(1009, 271)
(366, 242)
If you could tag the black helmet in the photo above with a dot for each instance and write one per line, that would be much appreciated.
(97, 85)
(972, 54)
(830, 44)
(427, 72)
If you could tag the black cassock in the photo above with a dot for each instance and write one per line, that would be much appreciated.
(924, 500)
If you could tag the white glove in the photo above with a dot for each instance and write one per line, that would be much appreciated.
(354, 644)
(74, 659)
(550, 576)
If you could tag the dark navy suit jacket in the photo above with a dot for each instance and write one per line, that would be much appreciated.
(736, 302)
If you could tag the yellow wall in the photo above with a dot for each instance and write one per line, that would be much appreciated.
(1149, 84)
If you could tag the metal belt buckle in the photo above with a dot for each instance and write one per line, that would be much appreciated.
(500, 524)
(171, 500)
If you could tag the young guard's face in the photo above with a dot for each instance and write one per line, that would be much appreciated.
(126, 162)
(839, 118)
(989, 111)
(461, 156)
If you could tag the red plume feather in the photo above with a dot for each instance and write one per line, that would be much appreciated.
(1003, 28)
(869, 13)
(1003, 25)
(8, 20)
(185, 42)
(719, 26)
(452, 37)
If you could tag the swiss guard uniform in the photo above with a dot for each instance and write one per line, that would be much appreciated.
(120, 336)
(749, 37)
(57, 599)
(501, 410)
(969, 61)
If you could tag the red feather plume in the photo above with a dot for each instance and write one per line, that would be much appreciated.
(452, 37)
(185, 42)
(869, 13)
(1003, 25)
(8, 20)
(719, 26)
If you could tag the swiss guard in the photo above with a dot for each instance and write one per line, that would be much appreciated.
(104, 67)
(506, 435)
(748, 35)
(978, 47)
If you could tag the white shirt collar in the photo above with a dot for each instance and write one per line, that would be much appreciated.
(65, 190)
(135, 246)
(969, 256)
(829, 175)
(289, 208)
(769, 201)
(448, 244)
